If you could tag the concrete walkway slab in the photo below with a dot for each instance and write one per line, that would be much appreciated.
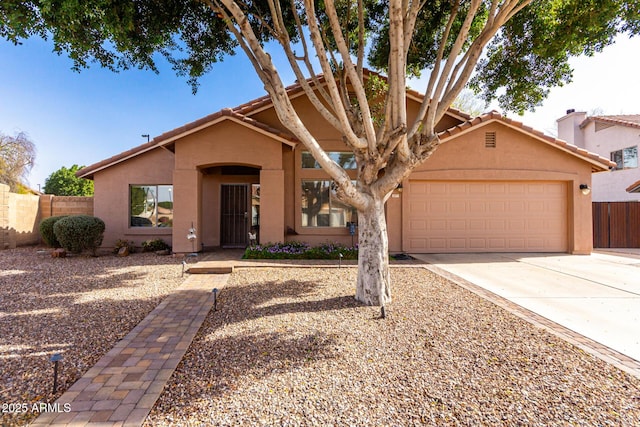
(597, 295)
(122, 387)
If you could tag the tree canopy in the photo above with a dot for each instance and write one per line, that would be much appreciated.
(509, 50)
(64, 182)
(17, 157)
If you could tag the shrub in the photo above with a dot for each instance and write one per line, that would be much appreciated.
(46, 231)
(79, 232)
(300, 250)
(154, 245)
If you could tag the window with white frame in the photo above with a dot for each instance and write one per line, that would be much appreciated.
(627, 158)
(150, 205)
(321, 206)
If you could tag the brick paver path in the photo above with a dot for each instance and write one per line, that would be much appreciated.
(123, 386)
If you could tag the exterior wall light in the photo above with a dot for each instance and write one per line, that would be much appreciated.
(585, 189)
(192, 238)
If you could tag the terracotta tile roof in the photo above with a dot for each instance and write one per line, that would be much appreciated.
(634, 188)
(629, 120)
(242, 114)
(167, 138)
(599, 163)
(296, 89)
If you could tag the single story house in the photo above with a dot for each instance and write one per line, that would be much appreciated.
(494, 185)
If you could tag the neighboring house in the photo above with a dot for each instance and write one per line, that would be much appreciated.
(613, 137)
(494, 185)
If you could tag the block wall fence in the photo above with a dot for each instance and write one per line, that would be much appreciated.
(20, 214)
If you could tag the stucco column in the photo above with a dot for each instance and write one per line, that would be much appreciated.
(187, 185)
(582, 218)
(271, 206)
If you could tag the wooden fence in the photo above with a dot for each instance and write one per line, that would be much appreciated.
(616, 225)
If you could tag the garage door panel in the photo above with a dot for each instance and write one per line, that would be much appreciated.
(487, 216)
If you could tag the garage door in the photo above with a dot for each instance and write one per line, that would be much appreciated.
(486, 217)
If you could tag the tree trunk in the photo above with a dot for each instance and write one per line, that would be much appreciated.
(374, 283)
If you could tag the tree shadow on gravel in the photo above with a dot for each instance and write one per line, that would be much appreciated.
(79, 306)
(257, 300)
(252, 336)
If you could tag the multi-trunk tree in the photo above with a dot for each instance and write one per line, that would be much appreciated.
(512, 50)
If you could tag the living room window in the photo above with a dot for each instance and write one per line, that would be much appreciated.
(345, 159)
(151, 205)
(321, 206)
(627, 158)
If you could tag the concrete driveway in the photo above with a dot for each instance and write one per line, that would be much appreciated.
(595, 295)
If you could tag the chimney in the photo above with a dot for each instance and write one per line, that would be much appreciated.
(569, 127)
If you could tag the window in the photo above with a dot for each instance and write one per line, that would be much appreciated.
(321, 206)
(151, 205)
(626, 158)
(345, 159)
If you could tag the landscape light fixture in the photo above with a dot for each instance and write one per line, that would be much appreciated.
(585, 189)
(56, 358)
(215, 299)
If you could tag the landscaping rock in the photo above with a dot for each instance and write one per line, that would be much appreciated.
(123, 251)
(59, 253)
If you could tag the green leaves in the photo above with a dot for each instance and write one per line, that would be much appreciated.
(528, 56)
(531, 53)
(64, 182)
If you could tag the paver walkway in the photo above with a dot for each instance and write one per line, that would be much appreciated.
(123, 386)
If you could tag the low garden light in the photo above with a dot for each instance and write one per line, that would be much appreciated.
(56, 358)
(215, 299)
(184, 266)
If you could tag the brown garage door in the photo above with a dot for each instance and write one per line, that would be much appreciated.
(501, 216)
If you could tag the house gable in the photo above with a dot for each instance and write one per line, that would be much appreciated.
(489, 121)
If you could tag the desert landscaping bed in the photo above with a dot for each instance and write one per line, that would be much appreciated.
(292, 347)
(78, 306)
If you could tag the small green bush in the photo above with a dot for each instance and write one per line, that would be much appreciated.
(79, 232)
(46, 231)
(154, 245)
(300, 250)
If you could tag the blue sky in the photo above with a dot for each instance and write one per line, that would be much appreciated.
(82, 118)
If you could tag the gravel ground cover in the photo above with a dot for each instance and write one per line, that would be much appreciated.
(78, 306)
(292, 347)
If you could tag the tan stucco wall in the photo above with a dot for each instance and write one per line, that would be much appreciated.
(197, 195)
(516, 157)
(111, 188)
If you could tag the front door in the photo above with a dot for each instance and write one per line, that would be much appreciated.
(234, 225)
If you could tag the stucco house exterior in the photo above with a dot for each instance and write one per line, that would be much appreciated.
(614, 137)
(494, 185)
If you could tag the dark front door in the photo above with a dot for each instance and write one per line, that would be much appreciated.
(234, 225)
